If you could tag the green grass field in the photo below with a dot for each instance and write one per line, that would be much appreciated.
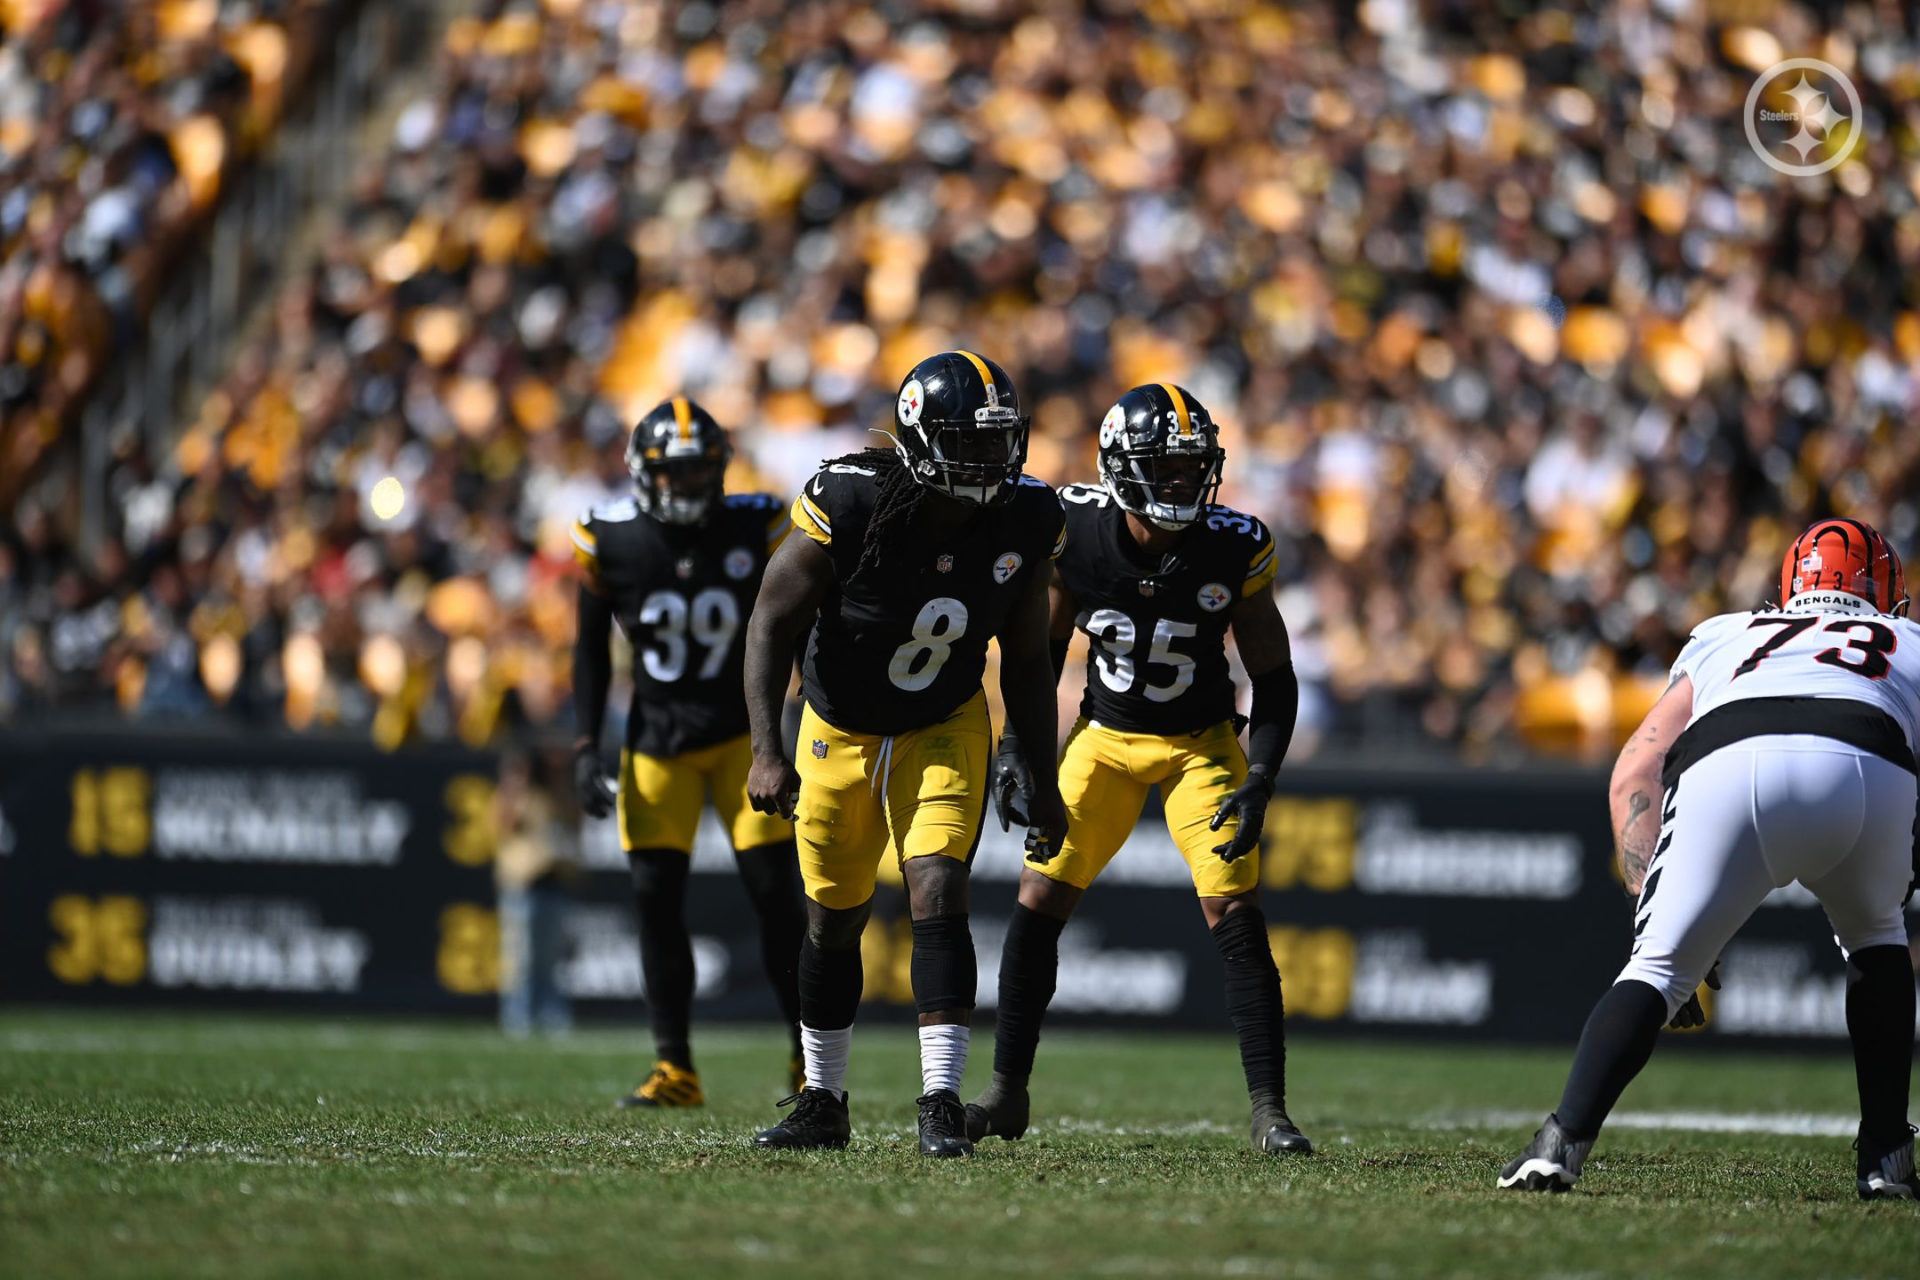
(141, 1145)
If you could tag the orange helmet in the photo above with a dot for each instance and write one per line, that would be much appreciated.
(1845, 555)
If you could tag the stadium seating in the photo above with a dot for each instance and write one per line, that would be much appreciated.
(1513, 447)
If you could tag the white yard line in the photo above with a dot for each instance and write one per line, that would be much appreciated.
(1793, 1124)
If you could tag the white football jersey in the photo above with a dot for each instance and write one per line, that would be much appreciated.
(1822, 645)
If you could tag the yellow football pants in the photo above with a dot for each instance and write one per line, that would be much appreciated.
(661, 798)
(1104, 776)
(909, 795)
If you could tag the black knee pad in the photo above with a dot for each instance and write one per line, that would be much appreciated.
(659, 873)
(945, 973)
(1242, 939)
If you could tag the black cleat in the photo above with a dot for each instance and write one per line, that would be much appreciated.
(1001, 1111)
(1551, 1161)
(1274, 1134)
(818, 1122)
(1886, 1169)
(943, 1125)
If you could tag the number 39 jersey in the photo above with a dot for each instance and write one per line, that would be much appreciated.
(682, 593)
(904, 647)
(1157, 630)
(1804, 652)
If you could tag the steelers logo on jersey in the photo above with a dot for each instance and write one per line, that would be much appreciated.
(739, 563)
(1213, 597)
(1006, 566)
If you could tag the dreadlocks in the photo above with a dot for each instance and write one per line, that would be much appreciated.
(893, 508)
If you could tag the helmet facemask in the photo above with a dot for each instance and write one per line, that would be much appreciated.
(977, 462)
(677, 490)
(1169, 487)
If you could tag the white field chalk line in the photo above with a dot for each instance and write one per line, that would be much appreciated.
(1792, 1124)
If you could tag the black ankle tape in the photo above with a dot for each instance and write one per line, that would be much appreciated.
(945, 973)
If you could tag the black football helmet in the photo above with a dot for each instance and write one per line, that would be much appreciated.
(959, 427)
(1160, 455)
(678, 458)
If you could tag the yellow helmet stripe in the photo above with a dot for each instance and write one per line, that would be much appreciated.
(1179, 408)
(986, 378)
(683, 417)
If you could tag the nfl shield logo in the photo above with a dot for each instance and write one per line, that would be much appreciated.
(944, 564)
(819, 749)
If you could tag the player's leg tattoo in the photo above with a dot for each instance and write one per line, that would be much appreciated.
(1880, 1012)
(830, 980)
(1618, 1039)
(771, 874)
(666, 949)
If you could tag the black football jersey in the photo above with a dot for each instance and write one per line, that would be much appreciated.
(682, 593)
(1157, 626)
(902, 648)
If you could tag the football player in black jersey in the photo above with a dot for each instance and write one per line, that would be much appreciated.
(912, 558)
(678, 566)
(1156, 573)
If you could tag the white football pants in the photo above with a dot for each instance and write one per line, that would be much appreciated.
(1759, 814)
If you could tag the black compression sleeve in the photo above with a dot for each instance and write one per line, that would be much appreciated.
(1057, 650)
(1276, 704)
(592, 663)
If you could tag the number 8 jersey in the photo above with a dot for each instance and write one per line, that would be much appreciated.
(904, 647)
(682, 593)
(1158, 629)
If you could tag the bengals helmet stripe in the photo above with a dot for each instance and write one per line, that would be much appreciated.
(1844, 555)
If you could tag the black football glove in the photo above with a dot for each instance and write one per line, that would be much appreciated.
(1249, 804)
(1690, 1014)
(1010, 783)
(592, 783)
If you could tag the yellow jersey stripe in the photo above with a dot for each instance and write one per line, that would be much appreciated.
(1180, 412)
(1060, 543)
(584, 539)
(1261, 561)
(1261, 578)
(811, 521)
(986, 378)
(683, 417)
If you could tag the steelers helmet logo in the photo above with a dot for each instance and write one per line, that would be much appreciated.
(913, 402)
(739, 563)
(1112, 426)
(1006, 566)
(1214, 597)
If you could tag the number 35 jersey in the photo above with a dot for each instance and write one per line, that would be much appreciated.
(1157, 626)
(903, 647)
(1804, 652)
(682, 593)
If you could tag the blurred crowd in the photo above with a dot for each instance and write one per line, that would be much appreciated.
(1526, 355)
(118, 121)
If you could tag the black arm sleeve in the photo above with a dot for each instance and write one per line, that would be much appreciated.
(1276, 704)
(1057, 650)
(592, 663)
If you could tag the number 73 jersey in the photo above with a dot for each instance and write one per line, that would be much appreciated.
(682, 593)
(1803, 653)
(1157, 627)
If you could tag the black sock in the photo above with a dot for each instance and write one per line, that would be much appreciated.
(1880, 1008)
(1616, 1044)
(666, 949)
(944, 971)
(830, 983)
(771, 874)
(1029, 968)
(1253, 1001)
